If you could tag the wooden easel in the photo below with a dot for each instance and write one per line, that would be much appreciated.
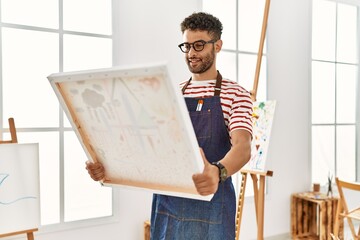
(29, 232)
(259, 197)
(258, 177)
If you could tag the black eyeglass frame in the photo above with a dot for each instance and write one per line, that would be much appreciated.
(192, 45)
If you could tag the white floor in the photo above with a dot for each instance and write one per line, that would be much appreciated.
(347, 233)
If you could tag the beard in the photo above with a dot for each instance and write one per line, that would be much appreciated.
(205, 64)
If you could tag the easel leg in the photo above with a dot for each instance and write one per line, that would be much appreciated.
(259, 196)
(12, 130)
(260, 205)
(240, 205)
(30, 236)
(256, 193)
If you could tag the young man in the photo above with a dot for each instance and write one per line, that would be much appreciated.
(220, 112)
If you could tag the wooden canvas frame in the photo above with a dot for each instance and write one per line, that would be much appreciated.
(135, 122)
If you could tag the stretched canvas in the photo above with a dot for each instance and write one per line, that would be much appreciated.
(135, 122)
(19, 187)
(263, 115)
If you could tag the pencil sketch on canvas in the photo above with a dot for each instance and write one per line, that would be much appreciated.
(135, 122)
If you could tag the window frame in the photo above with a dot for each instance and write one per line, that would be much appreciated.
(61, 129)
(336, 124)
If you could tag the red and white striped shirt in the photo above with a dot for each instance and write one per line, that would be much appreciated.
(235, 101)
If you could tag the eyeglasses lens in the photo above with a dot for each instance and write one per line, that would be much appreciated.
(198, 46)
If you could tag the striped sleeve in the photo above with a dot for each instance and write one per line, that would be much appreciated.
(239, 111)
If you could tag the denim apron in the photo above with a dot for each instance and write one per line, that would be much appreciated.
(175, 218)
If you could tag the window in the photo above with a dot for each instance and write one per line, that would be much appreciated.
(35, 42)
(335, 91)
(242, 24)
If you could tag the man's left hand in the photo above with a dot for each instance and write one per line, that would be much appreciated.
(207, 182)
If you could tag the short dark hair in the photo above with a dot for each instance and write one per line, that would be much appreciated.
(204, 22)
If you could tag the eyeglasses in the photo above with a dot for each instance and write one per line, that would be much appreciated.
(197, 45)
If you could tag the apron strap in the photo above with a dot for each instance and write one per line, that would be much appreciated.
(217, 85)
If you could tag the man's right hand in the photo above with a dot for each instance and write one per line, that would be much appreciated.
(95, 170)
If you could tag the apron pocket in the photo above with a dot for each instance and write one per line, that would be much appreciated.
(201, 121)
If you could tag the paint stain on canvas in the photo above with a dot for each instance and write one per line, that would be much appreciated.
(263, 114)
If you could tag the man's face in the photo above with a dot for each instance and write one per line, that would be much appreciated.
(199, 61)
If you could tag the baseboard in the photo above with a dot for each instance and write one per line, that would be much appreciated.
(284, 236)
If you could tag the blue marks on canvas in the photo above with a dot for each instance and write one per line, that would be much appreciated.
(3, 177)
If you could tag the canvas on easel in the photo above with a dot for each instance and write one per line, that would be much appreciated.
(262, 117)
(19, 187)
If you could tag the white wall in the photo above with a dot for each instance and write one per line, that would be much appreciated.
(148, 31)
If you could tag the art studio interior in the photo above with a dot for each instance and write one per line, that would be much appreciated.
(299, 57)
